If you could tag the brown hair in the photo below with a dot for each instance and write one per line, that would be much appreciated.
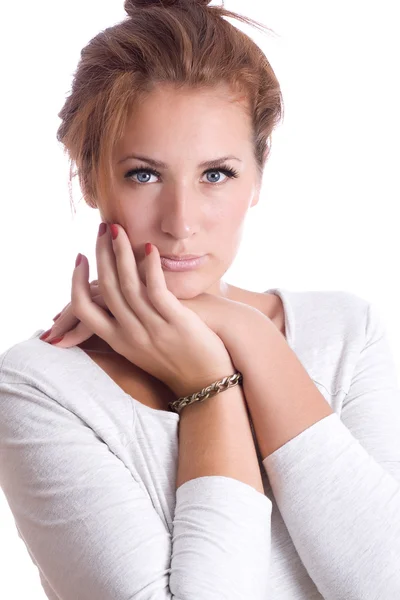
(183, 42)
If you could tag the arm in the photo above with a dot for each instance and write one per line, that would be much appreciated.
(215, 441)
(76, 505)
(273, 376)
(336, 480)
(93, 531)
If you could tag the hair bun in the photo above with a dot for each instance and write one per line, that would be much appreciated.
(131, 5)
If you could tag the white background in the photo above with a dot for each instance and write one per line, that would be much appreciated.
(328, 215)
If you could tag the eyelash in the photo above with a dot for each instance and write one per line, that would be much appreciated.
(231, 173)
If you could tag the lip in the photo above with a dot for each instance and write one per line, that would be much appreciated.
(181, 256)
(182, 265)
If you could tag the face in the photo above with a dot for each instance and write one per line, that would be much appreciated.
(183, 207)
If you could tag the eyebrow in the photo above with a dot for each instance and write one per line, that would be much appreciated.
(161, 165)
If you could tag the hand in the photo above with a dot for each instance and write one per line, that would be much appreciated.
(146, 323)
(69, 327)
(212, 309)
(230, 320)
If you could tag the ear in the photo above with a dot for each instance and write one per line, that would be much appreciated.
(259, 177)
(257, 191)
(256, 196)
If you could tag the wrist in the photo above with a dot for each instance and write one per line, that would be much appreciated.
(246, 335)
(207, 391)
(186, 388)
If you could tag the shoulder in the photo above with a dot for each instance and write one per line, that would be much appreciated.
(329, 311)
(61, 378)
(321, 316)
(20, 362)
(35, 362)
(328, 332)
(333, 305)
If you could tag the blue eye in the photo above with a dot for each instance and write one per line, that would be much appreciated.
(230, 173)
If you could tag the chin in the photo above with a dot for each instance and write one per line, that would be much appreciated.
(184, 288)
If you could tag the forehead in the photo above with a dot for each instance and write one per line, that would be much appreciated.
(171, 115)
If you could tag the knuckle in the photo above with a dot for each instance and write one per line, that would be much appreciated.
(127, 284)
(130, 290)
(106, 283)
(156, 292)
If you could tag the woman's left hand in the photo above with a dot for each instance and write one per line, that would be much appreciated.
(68, 326)
(222, 315)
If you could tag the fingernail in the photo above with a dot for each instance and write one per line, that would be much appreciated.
(45, 334)
(102, 228)
(114, 231)
(148, 248)
(78, 259)
(56, 340)
(56, 317)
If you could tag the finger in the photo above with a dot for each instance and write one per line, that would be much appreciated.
(109, 283)
(125, 294)
(162, 299)
(64, 323)
(88, 312)
(94, 293)
(153, 304)
(58, 315)
(72, 324)
(76, 336)
(100, 302)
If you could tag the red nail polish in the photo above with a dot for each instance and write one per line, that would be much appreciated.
(114, 231)
(45, 334)
(56, 340)
(147, 248)
(102, 228)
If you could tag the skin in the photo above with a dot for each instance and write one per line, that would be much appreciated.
(187, 209)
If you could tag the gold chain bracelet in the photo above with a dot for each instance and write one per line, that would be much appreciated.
(207, 392)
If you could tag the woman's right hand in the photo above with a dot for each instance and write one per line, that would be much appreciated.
(149, 326)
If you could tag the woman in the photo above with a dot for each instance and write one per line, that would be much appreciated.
(126, 478)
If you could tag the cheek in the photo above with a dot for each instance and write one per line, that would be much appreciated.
(137, 223)
(227, 233)
(230, 215)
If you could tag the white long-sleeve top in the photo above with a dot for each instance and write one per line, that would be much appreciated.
(89, 474)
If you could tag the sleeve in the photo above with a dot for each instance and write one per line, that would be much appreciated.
(93, 532)
(337, 484)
